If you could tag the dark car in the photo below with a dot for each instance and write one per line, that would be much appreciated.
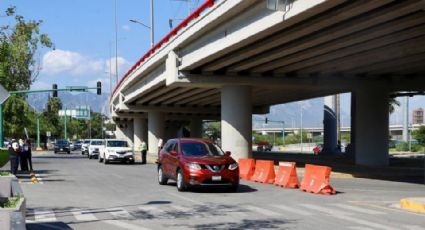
(264, 146)
(62, 146)
(197, 162)
(77, 145)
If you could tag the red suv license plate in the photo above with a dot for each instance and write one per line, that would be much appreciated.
(216, 178)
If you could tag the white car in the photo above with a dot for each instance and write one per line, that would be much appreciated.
(95, 147)
(85, 147)
(116, 150)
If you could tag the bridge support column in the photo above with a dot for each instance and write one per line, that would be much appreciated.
(236, 120)
(119, 132)
(173, 130)
(140, 132)
(329, 125)
(156, 128)
(196, 128)
(371, 126)
(129, 133)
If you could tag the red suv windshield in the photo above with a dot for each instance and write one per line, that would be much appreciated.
(200, 149)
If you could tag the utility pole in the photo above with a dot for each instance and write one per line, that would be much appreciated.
(301, 127)
(152, 25)
(406, 119)
(65, 128)
(116, 45)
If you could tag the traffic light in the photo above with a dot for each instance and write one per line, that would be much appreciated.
(267, 120)
(99, 88)
(55, 90)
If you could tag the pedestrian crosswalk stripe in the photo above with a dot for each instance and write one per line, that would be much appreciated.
(262, 211)
(44, 216)
(124, 225)
(365, 222)
(119, 213)
(151, 209)
(329, 211)
(358, 209)
(360, 228)
(83, 216)
(293, 210)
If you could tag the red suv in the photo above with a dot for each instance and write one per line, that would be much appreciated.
(197, 162)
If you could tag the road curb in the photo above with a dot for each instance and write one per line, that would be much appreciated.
(413, 204)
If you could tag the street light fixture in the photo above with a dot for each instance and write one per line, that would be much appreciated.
(151, 27)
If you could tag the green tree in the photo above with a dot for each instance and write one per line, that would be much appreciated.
(18, 46)
(392, 103)
(18, 68)
(51, 116)
(419, 135)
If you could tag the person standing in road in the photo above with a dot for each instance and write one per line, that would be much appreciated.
(26, 156)
(144, 148)
(14, 156)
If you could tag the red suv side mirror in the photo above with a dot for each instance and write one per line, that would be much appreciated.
(227, 153)
(173, 152)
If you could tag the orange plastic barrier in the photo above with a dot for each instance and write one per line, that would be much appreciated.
(316, 180)
(264, 172)
(246, 168)
(287, 175)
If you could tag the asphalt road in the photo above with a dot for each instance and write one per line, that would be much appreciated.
(77, 193)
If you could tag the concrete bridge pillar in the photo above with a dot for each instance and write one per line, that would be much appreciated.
(196, 128)
(236, 121)
(119, 132)
(129, 133)
(371, 126)
(140, 132)
(329, 125)
(173, 130)
(156, 128)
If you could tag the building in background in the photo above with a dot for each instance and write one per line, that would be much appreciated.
(418, 116)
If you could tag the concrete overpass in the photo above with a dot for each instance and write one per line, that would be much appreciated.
(234, 58)
(394, 130)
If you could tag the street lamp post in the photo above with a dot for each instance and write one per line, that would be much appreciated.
(151, 27)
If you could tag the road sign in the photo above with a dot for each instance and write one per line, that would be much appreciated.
(4, 94)
(48, 133)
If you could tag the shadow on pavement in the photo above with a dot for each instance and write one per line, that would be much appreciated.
(243, 224)
(47, 226)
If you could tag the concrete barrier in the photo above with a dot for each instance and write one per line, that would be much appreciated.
(12, 218)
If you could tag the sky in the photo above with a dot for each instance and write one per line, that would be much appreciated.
(83, 32)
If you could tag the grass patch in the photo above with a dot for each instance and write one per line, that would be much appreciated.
(11, 202)
(5, 174)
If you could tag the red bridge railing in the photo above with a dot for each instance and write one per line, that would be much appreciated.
(195, 14)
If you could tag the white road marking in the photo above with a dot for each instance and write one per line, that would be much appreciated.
(125, 225)
(293, 210)
(365, 222)
(413, 227)
(39, 178)
(346, 216)
(185, 198)
(329, 211)
(83, 215)
(358, 209)
(154, 210)
(262, 211)
(360, 228)
(119, 213)
(181, 208)
(44, 216)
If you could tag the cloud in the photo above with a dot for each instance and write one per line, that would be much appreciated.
(123, 66)
(73, 63)
(126, 27)
(41, 85)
